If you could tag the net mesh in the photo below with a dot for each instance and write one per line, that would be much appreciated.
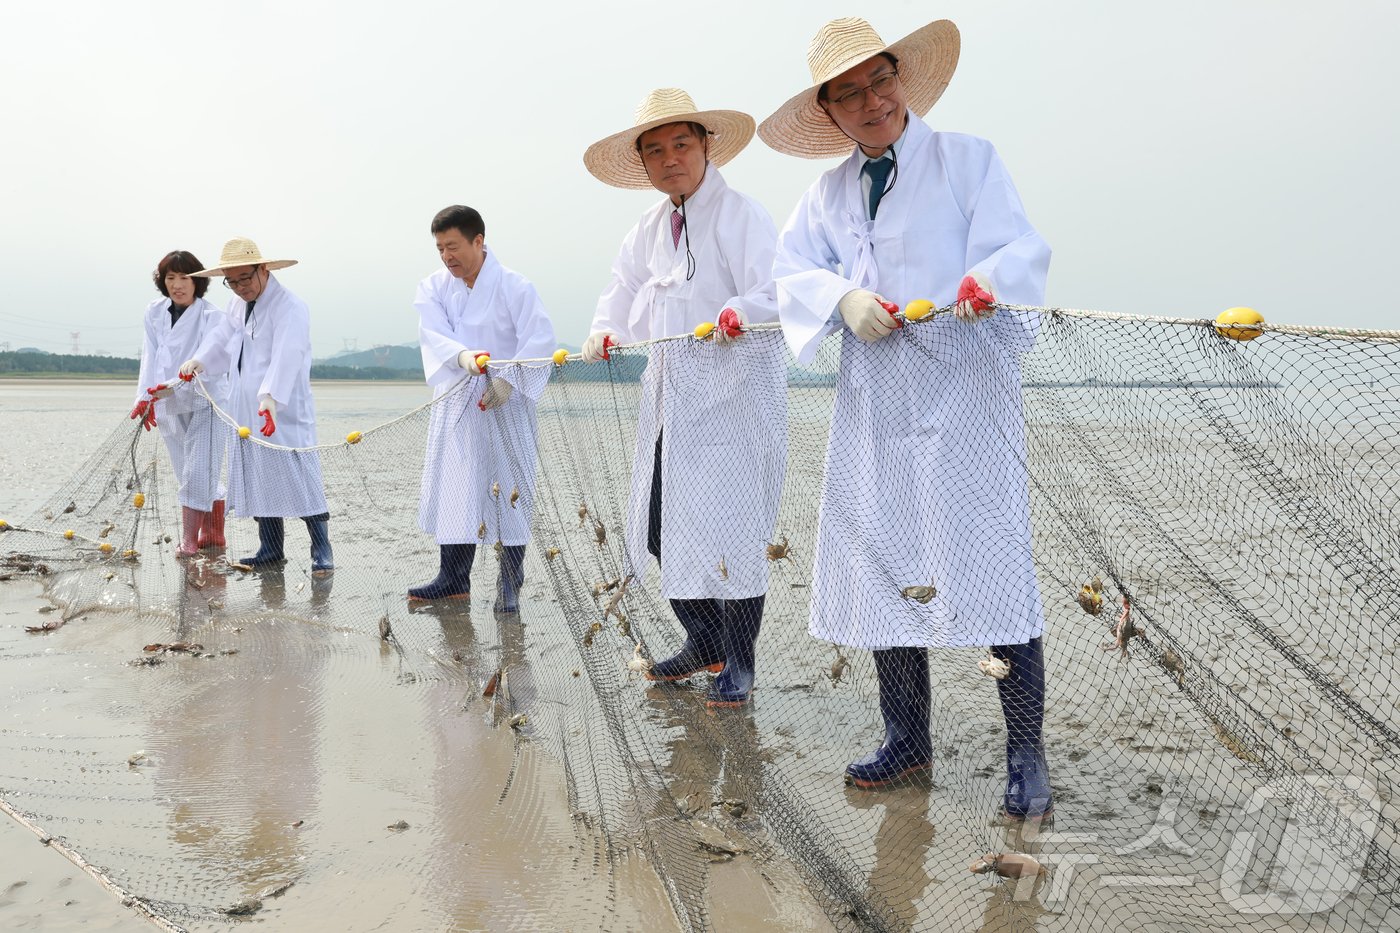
(1214, 543)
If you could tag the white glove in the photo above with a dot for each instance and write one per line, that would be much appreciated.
(189, 368)
(267, 403)
(731, 317)
(975, 299)
(497, 394)
(593, 348)
(467, 360)
(863, 314)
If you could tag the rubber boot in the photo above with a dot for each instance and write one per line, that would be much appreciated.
(454, 574)
(270, 537)
(191, 520)
(511, 578)
(211, 532)
(703, 621)
(732, 687)
(319, 528)
(1028, 794)
(905, 697)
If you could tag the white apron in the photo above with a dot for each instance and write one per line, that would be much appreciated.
(721, 411)
(470, 451)
(193, 437)
(926, 481)
(275, 348)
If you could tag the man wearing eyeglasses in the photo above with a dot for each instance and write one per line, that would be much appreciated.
(924, 535)
(264, 342)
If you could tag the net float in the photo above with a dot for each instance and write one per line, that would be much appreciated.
(1241, 319)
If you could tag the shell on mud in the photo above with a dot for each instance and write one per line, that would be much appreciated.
(551, 553)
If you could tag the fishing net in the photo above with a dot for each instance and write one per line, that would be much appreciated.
(1214, 537)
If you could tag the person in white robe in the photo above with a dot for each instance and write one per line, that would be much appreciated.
(263, 344)
(712, 425)
(479, 469)
(923, 537)
(174, 325)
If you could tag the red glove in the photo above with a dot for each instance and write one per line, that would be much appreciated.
(140, 408)
(269, 426)
(729, 323)
(160, 392)
(973, 298)
(893, 309)
(148, 420)
(607, 342)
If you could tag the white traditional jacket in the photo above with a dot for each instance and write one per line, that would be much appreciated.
(470, 451)
(187, 426)
(274, 346)
(721, 411)
(926, 482)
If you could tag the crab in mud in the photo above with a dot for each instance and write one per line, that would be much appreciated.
(1090, 597)
(1007, 865)
(551, 553)
(600, 588)
(920, 594)
(1124, 631)
(582, 514)
(495, 490)
(1172, 663)
(593, 630)
(481, 531)
(779, 551)
(514, 497)
(600, 533)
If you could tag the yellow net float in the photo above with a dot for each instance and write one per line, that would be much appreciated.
(138, 500)
(245, 432)
(105, 548)
(482, 360)
(354, 437)
(4, 525)
(1234, 323)
(68, 535)
(704, 329)
(918, 309)
(560, 356)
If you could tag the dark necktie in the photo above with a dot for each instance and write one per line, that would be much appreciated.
(175, 312)
(677, 221)
(879, 172)
(247, 315)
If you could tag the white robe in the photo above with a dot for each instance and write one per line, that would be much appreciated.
(194, 438)
(721, 410)
(470, 450)
(926, 480)
(275, 347)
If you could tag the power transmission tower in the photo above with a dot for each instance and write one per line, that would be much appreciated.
(76, 335)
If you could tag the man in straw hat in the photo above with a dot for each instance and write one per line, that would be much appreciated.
(924, 536)
(479, 470)
(712, 428)
(264, 343)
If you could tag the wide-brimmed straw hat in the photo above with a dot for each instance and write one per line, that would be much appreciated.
(615, 160)
(241, 251)
(927, 59)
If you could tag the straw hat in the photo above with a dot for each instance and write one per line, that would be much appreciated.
(616, 162)
(927, 58)
(241, 251)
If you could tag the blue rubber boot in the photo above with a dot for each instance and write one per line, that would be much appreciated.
(703, 621)
(905, 697)
(454, 574)
(741, 623)
(271, 533)
(1028, 794)
(319, 528)
(511, 578)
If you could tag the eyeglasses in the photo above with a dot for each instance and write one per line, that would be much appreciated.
(241, 280)
(853, 100)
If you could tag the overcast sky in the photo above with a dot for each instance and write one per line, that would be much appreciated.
(1180, 158)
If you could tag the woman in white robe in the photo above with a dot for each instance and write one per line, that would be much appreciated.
(479, 468)
(174, 325)
(926, 488)
(712, 426)
(263, 344)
